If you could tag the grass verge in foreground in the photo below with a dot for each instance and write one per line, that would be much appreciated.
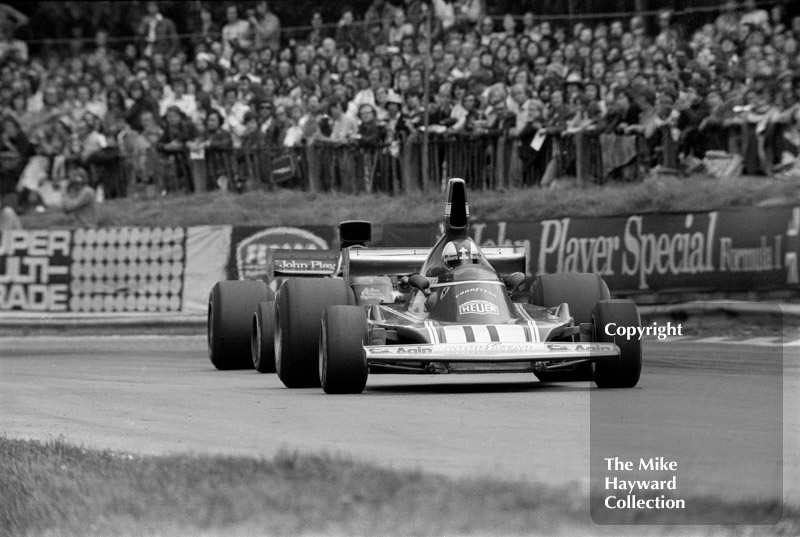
(289, 207)
(54, 488)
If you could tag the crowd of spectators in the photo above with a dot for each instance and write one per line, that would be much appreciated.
(733, 81)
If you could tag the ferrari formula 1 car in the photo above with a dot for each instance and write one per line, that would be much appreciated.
(446, 309)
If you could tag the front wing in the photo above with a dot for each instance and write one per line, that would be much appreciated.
(567, 353)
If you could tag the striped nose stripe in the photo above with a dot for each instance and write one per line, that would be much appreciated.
(481, 333)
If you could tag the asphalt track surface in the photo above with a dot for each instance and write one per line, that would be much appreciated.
(715, 409)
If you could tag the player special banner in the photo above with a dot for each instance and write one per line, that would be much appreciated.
(92, 270)
(735, 250)
(741, 250)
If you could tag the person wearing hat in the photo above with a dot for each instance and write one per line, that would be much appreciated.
(395, 123)
(573, 87)
(80, 199)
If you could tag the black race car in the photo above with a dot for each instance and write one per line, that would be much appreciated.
(451, 308)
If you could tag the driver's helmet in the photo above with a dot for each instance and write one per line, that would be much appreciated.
(457, 253)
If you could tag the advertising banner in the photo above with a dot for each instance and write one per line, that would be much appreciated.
(207, 252)
(748, 249)
(92, 270)
(249, 252)
(131, 269)
(733, 250)
(35, 270)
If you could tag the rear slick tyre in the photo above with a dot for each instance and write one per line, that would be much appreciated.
(231, 304)
(262, 337)
(299, 309)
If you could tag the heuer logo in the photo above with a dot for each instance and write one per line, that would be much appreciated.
(481, 307)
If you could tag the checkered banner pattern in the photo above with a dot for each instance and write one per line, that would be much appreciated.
(127, 269)
(93, 270)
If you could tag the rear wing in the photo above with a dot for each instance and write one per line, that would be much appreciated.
(404, 261)
(285, 262)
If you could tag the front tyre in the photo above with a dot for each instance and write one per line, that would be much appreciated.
(581, 292)
(623, 372)
(342, 362)
(262, 337)
(230, 309)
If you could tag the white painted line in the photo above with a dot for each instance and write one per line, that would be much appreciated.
(764, 341)
(100, 337)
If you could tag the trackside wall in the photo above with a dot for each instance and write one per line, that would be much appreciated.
(129, 269)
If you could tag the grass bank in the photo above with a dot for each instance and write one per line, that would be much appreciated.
(54, 488)
(284, 207)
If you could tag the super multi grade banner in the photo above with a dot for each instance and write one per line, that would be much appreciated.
(172, 269)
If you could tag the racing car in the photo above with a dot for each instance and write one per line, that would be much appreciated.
(450, 308)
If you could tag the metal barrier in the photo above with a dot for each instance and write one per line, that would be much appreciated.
(148, 173)
(487, 160)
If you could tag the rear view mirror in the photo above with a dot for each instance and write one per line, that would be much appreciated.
(514, 280)
(354, 233)
(420, 282)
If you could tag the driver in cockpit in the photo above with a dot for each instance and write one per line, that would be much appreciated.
(461, 254)
(458, 253)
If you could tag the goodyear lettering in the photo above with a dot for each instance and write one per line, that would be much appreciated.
(476, 290)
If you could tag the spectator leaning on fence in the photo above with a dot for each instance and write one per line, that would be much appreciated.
(80, 199)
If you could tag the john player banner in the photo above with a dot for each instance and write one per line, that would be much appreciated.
(736, 250)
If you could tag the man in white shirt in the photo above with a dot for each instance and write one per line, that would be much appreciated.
(234, 110)
(366, 96)
(236, 34)
(186, 103)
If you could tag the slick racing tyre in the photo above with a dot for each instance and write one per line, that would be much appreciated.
(230, 310)
(623, 372)
(581, 292)
(300, 304)
(342, 363)
(262, 337)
